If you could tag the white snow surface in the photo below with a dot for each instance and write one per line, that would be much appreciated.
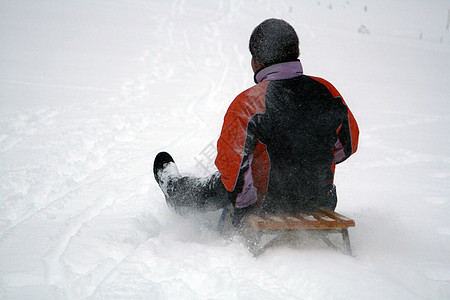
(91, 91)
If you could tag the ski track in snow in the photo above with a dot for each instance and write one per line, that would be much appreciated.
(80, 214)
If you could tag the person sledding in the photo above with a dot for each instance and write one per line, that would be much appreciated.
(280, 141)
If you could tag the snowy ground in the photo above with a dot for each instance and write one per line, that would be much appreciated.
(90, 91)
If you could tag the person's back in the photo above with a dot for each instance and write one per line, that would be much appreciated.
(300, 129)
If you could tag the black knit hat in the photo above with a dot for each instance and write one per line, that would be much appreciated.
(274, 41)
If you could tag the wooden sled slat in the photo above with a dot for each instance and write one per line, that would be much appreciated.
(342, 220)
(322, 219)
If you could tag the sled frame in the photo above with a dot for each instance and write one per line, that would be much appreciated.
(285, 228)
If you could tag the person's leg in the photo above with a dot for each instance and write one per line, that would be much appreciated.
(186, 193)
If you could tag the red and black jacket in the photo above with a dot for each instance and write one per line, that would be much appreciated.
(281, 140)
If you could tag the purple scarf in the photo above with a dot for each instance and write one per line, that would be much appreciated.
(280, 71)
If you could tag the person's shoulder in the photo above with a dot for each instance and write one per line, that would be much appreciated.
(327, 84)
(321, 80)
(256, 90)
(248, 102)
(250, 95)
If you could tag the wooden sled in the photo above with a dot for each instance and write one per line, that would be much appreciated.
(321, 223)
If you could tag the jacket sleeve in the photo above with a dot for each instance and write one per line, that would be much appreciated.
(348, 136)
(230, 148)
(240, 157)
(348, 132)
